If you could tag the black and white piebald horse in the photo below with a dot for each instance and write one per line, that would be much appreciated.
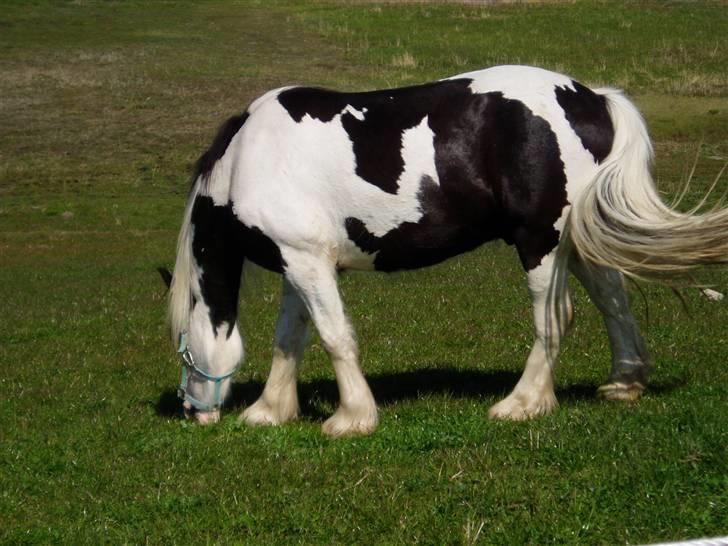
(309, 182)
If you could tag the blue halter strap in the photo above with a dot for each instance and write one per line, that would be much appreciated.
(190, 370)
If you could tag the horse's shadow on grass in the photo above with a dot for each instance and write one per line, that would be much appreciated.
(392, 388)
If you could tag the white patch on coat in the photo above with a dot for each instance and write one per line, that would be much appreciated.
(358, 114)
(219, 178)
(308, 169)
(418, 155)
(267, 97)
(515, 81)
(391, 210)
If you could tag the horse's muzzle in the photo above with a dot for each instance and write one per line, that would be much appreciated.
(201, 417)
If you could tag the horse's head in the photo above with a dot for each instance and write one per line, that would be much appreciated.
(201, 391)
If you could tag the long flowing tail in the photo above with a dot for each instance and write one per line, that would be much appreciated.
(180, 293)
(621, 222)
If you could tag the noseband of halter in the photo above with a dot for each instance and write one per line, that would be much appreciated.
(190, 370)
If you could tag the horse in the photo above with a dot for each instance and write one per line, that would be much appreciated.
(310, 182)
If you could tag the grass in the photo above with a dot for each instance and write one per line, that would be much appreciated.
(103, 108)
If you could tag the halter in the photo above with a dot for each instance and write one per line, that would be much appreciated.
(190, 370)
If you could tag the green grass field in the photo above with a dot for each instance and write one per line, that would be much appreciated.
(104, 107)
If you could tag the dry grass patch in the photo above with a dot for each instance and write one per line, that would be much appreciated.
(405, 60)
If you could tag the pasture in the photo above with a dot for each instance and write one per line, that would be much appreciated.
(105, 106)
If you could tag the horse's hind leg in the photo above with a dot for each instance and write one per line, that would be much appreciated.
(630, 360)
(534, 395)
(279, 401)
(314, 278)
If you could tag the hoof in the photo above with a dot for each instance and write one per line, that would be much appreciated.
(351, 422)
(623, 392)
(519, 408)
(263, 413)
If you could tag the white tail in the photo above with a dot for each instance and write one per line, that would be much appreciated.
(621, 222)
(180, 293)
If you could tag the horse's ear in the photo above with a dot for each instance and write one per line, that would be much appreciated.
(166, 276)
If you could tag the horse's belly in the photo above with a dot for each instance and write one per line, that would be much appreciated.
(411, 245)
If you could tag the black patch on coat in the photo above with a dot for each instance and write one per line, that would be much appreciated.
(500, 176)
(440, 234)
(320, 104)
(220, 244)
(377, 138)
(588, 115)
(225, 134)
(524, 160)
(377, 144)
(260, 249)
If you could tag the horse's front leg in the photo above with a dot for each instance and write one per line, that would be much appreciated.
(534, 392)
(279, 401)
(314, 278)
